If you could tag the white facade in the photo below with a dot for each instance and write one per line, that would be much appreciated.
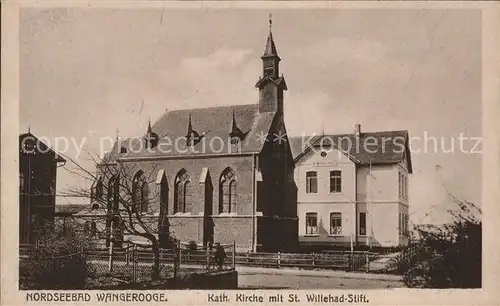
(376, 194)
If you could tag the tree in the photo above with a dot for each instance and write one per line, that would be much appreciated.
(449, 256)
(125, 192)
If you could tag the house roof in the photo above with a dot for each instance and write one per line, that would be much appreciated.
(385, 147)
(213, 124)
(69, 209)
(42, 146)
(88, 211)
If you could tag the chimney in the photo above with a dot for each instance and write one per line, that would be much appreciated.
(357, 129)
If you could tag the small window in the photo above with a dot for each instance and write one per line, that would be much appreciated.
(123, 150)
(335, 181)
(311, 224)
(362, 224)
(311, 182)
(21, 181)
(335, 223)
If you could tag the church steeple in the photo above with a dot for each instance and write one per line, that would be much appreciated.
(270, 58)
(271, 85)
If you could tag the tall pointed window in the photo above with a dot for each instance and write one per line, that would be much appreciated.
(227, 192)
(181, 192)
(113, 189)
(140, 192)
(161, 182)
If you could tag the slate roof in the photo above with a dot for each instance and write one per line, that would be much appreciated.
(210, 123)
(270, 49)
(385, 147)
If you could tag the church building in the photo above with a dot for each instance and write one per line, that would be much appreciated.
(219, 174)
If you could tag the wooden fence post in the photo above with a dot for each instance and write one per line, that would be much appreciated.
(279, 260)
(207, 258)
(234, 255)
(180, 252)
(135, 262)
(367, 263)
(176, 254)
(127, 254)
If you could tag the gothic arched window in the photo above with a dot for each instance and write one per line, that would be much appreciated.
(181, 196)
(113, 188)
(140, 192)
(227, 192)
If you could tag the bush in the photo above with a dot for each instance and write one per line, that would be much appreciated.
(57, 262)
(192, 246)
(449, 255)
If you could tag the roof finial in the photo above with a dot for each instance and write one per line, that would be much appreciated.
(270, 21)
(149, 125)
(29, 129)
(190, 126)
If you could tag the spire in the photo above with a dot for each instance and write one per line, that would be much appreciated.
(190, 126)
(233, 125)
(192, 137)
(149, 126)
(235, 132)
(270, 46)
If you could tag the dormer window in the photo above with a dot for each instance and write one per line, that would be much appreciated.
(151, 139)
(192, 137)
(235, 133)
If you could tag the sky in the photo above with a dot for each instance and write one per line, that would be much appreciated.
(84, 73)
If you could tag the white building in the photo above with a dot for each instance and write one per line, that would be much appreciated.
(352, 188)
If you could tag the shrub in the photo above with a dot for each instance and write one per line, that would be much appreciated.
(192, 246)
(57, 262)
(449, 255)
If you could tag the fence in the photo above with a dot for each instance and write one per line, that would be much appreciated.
(133, 263)
(38, 271)
(327, 260)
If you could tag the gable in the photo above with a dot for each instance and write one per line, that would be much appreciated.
(325, 156)
(386, 147)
